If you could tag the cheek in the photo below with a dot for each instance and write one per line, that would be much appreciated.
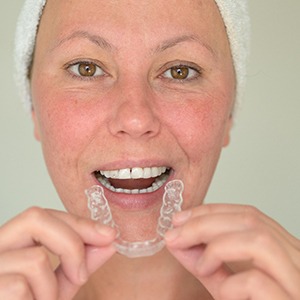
(63, 129)
(201, 121)
(60, 127)
(200, 129)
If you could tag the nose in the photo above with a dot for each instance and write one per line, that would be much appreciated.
(134, 114)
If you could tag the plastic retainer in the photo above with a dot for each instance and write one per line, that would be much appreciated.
(172, 201)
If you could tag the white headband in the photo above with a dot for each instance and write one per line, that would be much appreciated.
(234, 13)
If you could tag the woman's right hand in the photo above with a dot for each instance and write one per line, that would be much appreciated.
(81, 245)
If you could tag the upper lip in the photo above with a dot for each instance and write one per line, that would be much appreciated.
(134, 173)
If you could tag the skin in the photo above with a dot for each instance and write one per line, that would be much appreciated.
(140, 106)
(133, 114)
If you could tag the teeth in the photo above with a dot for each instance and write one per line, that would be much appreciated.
(158, 183)
(147, 173)
(137, 173)
(123, 174)
(134, 173)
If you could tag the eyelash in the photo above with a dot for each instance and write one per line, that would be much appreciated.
(73, 69)
(194, 69)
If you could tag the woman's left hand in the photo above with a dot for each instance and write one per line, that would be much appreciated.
(237, 252)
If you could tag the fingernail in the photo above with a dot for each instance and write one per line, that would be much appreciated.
(105, 230)
(83, 273)
(182, 217)
(171, 235)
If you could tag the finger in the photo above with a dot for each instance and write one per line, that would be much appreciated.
(14, 287)
(38, 226)
(204, 228)
(248, 212)
(189, 259)
(252, 284)
(34, 224)
(92, 233)
(216, 208)
(95, 258)
(201, 228)
(265, 252)
(33, 265)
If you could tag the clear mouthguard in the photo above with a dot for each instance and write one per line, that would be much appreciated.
(172, 201)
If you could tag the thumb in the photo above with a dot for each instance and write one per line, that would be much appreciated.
(95, 258)
(190, 258)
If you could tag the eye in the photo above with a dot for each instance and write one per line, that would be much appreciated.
(85, 69)
(181, 72)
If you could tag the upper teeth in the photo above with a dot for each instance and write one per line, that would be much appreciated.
(134, 173)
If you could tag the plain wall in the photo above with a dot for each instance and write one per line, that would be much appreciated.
(260, 167)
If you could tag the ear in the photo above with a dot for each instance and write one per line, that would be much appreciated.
(227, 132)
(36, 128)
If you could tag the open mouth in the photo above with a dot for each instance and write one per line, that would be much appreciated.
(134, 180)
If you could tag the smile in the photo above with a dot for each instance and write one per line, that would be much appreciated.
(133, 180)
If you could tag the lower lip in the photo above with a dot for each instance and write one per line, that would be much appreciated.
(134, 202)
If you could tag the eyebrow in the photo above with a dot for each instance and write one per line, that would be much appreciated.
(95, 39)
(181, 39)
(104, 44)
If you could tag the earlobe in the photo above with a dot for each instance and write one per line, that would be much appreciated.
(226, 140)
(35, 126)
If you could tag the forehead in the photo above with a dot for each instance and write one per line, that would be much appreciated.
(147, 20)
(130, 8)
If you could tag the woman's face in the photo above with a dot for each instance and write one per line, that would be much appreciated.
(127, 84)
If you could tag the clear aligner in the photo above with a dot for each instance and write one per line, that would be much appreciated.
(172, 201)
(98, 205)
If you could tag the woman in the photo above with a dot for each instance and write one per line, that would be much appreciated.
(123, 88)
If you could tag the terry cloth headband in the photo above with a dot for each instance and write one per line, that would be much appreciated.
(234, 13)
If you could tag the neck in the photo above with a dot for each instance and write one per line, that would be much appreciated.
(155, 277)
